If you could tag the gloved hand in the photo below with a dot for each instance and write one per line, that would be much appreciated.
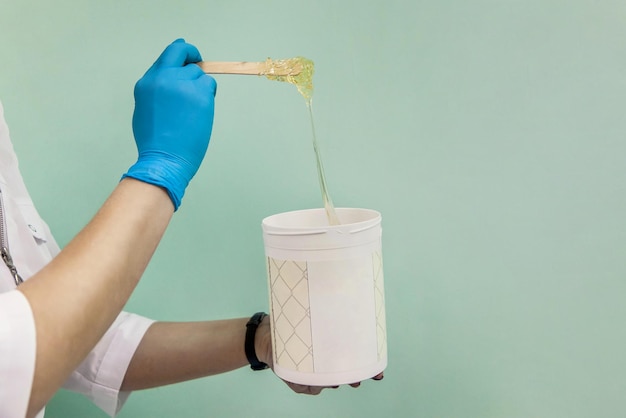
(173, 118)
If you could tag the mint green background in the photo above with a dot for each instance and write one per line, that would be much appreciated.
(490, 134)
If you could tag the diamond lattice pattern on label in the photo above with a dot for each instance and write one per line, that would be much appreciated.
(379, 292)
(291, 314)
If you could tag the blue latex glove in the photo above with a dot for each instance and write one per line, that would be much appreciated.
(173, 118)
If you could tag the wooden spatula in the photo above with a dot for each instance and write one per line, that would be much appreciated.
(288, 67)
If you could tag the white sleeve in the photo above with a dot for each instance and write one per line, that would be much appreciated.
(100, 375)
(17, 354)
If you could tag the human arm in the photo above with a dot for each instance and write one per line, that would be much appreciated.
(76, 297)
(173, 352)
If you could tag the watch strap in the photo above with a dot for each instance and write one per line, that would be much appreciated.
(251, 327)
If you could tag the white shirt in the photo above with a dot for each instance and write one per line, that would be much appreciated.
(32, 246)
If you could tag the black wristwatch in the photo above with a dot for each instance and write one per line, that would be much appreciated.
(251, 326)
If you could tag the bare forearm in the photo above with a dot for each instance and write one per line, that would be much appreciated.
(172, 352)
(78, 295)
